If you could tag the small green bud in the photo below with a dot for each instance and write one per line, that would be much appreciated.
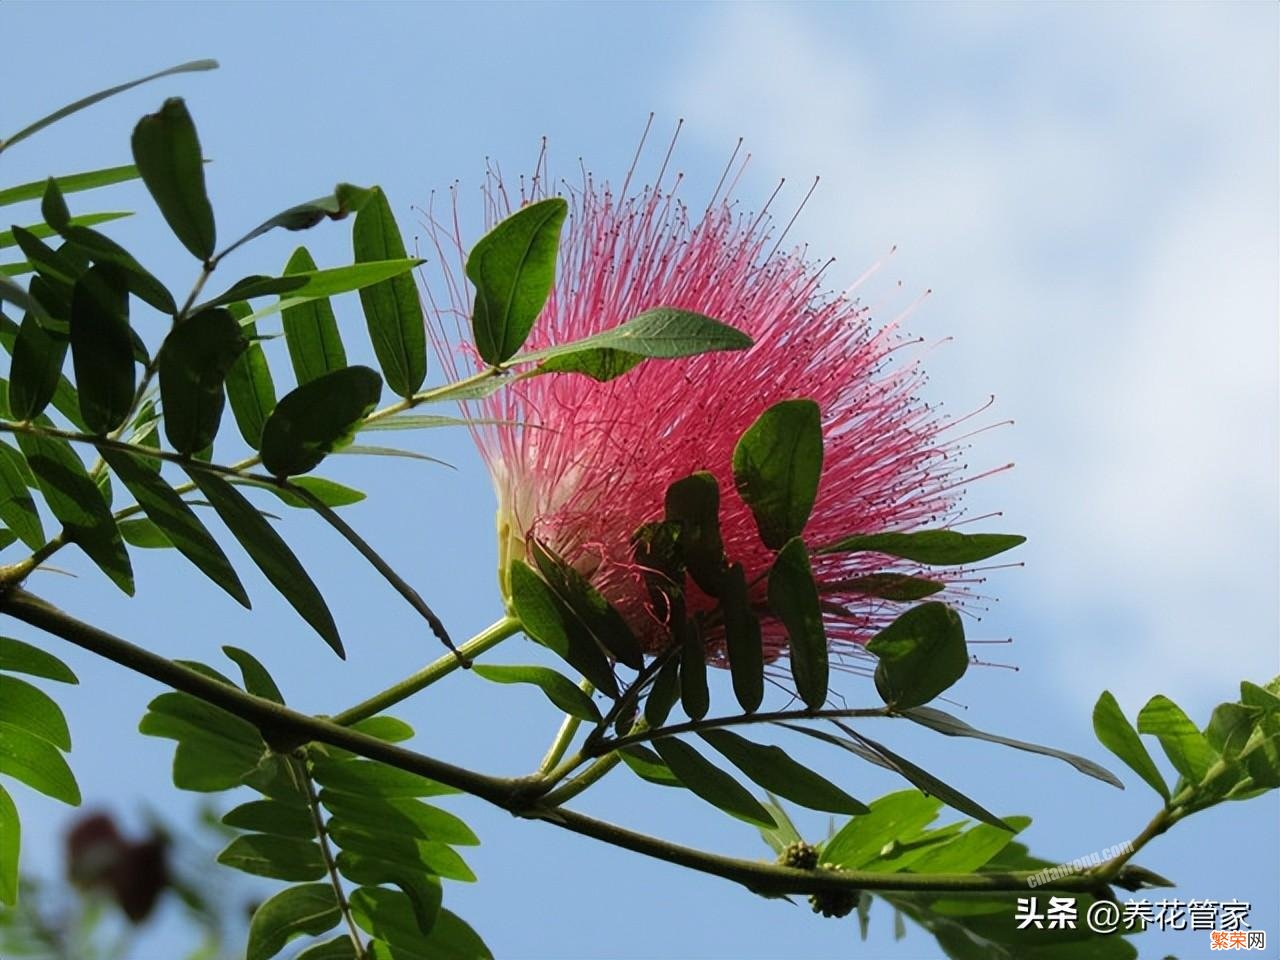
(837, 903)
(800, 855)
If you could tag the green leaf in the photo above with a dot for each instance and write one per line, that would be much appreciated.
(1184, 744)
(308, 909)
(776, 466)
(10, 844)
(193, 365)
(422, 888)
(920, 654)
(406, 851)
(367, 778)
(389, 916)
(11, 292)
(78, 504)
(177, 521)
(345, 198)
(513, 267)
(249, 385)
(793, 598)
(939, 548)
(274, 817)
(1261, 758)
(329, 492)
(945, 723)
(560, 690)
(392, 309)
(695, 698)
(694, 504)
(166, 150)
(775, 771)
(36, 762)
(19, 657)
(339, 948)
(927, 782)
(216, 750)
(1114, 732)
(281, 858)
(399, 815)
(710, 782)
(596, 615)
(102, 249)
(310, 329)
(1255, 696)
(54, 208)
(70, 183)
(545, 618)
(663, 333)
(90, 100)
(742, 640)
(895, 816)
(898, 587)
(256, 678)
(304, 287)
(17, 506)
(647, 765)
(317, 417)
(41, 230)
(144, 534)
(36, 368)
(31, 709)
(271, 554)
(971, 850)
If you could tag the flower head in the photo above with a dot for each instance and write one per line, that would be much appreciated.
(580, 465)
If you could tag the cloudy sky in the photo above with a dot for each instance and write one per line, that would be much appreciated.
(1088, 191)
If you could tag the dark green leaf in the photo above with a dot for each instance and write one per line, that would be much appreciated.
(776, 466)
(19, 657)
(1116, 733)
(308, 909)
(270, 553)
(310, 330)
(951, 726)
(144, 534)
(513, 267)
(793, 598)
(193, 365)
(647, 765)
(560, 690)
(399, 815)
(920, 654)
(742, 640)
(17, 506)
(710, 782)
(941, 548)
(545, 618)
(53, 207)
(407, 851)
(273, 817)
(35, 370)
(177, 521)
(694, 504)
(256, 678)
(249, 385)
(37, 763)
(141, 283)
(329, 492)
(281, 858)
(1183, 743)
(31, 709)
(317, 417)
(166, 150)
(898, 587)
(694, 695)
(11, 292)
(7, 238)
(88, 101)
(588, 605)
(345, 198)
(390, 916)
(76, 501)
(367, 778)
(663, 694)
(10, 843)
(422, 888)
(392, 309)
(661, 333)
(773, 769)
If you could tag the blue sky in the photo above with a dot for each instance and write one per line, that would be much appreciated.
(1088, 190)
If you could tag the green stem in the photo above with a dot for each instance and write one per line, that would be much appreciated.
(589, 776)
(564, 736)
(518, 796)
(602, 747)
(486, 639)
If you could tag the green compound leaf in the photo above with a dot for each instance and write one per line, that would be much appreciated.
(392, 309)
(193, 365)
(710, 782)
(776, 466)
(559, 689)
(316, 418)
(1116, 733)
(793, 598)
(308, 909)
(166, 150)
(513, 267)
(771, 768)
(216, 750)
(940, 548)
(921, 654)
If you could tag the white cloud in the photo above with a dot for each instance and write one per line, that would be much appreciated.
(1094, 201)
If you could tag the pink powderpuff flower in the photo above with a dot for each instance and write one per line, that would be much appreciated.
(580, 465)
